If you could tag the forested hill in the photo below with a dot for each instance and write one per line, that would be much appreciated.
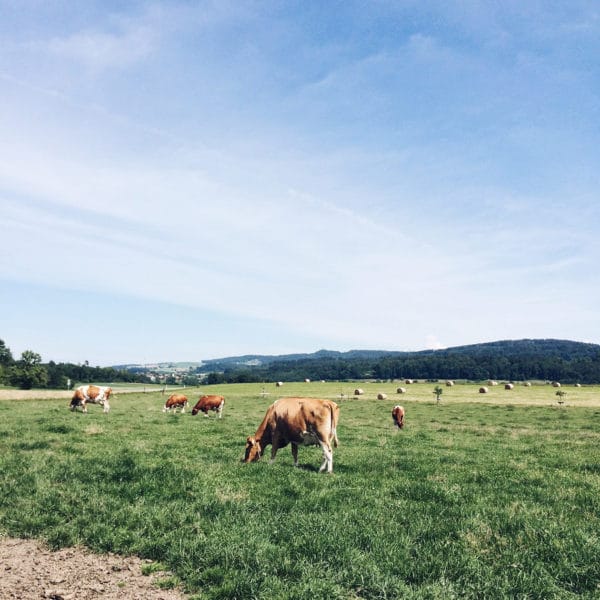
(539, 359)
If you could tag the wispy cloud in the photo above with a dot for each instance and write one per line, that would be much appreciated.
(413, 188)
(100, 50)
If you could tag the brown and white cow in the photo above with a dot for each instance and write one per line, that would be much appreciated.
(174, 402)
(398, 413)
(93, 394)
(206, 403)
(299, 421)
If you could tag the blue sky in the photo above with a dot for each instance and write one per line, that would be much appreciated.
(190, 180)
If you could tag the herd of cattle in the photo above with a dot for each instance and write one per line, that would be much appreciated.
(295, 421)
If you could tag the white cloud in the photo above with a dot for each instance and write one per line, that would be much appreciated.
(387, 200)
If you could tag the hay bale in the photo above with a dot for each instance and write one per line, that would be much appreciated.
(508, 386)
(358, 392)
(527, 384)
(483, 390)
(555, 384)
(307, 380)
(401, 390)
(409, 381)
(449, 383)
(492, 382)
(381, 396)
(577, 385)
(279, 383)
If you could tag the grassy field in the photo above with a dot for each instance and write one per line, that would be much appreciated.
(494, 496)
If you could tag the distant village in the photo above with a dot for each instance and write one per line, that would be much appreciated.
(170, 373)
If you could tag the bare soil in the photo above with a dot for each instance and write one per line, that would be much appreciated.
(34, 394)
(30, 571)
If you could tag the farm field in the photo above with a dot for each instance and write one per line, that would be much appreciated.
(480, 496)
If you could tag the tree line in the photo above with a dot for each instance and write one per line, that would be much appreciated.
(521, 360)
(30, 372)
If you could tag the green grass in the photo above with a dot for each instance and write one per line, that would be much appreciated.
(470, 500)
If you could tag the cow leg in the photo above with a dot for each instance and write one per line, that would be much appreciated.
(206, 413)
(182, 408)
(106, 406)
(274, 448)
(327, 458)
(220, 410)
(295, 453)
(84, 407)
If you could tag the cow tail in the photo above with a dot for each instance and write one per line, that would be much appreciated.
(333, 409)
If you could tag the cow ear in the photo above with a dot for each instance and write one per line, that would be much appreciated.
(250, 440)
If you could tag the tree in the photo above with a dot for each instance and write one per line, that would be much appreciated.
(438, 391)
(6, 360)
(28, 372)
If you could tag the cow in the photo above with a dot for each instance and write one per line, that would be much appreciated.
(93, 394)
(206, 403)
(398, 413)
(299, 421)
(174, 402)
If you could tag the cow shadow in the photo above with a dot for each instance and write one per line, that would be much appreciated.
(308, 467)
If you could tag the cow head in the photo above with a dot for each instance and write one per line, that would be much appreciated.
(195, 411)
(253, 452)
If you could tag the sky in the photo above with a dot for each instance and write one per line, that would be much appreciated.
(182, 181)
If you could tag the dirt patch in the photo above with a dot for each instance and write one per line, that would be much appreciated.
(29, 571)
(34, 394)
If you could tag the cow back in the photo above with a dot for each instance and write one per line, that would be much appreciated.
(293, 417)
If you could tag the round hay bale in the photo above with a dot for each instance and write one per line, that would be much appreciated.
(555, 384)
(381, 396)
(401, 390)
(527, 384)
(449, 383)
(483, 390)
(508, 386)
(577, 385)
(492, 382)
(279, 383)
(307, 380)
(409, 381)
(358, 392)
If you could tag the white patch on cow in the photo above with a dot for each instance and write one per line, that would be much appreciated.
(327, 459)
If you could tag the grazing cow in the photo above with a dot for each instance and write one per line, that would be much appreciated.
(207, 403)
(398, 413)
(92, 394)
(174, 402)
(299, 421)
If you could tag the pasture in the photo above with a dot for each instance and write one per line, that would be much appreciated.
(480, 496)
